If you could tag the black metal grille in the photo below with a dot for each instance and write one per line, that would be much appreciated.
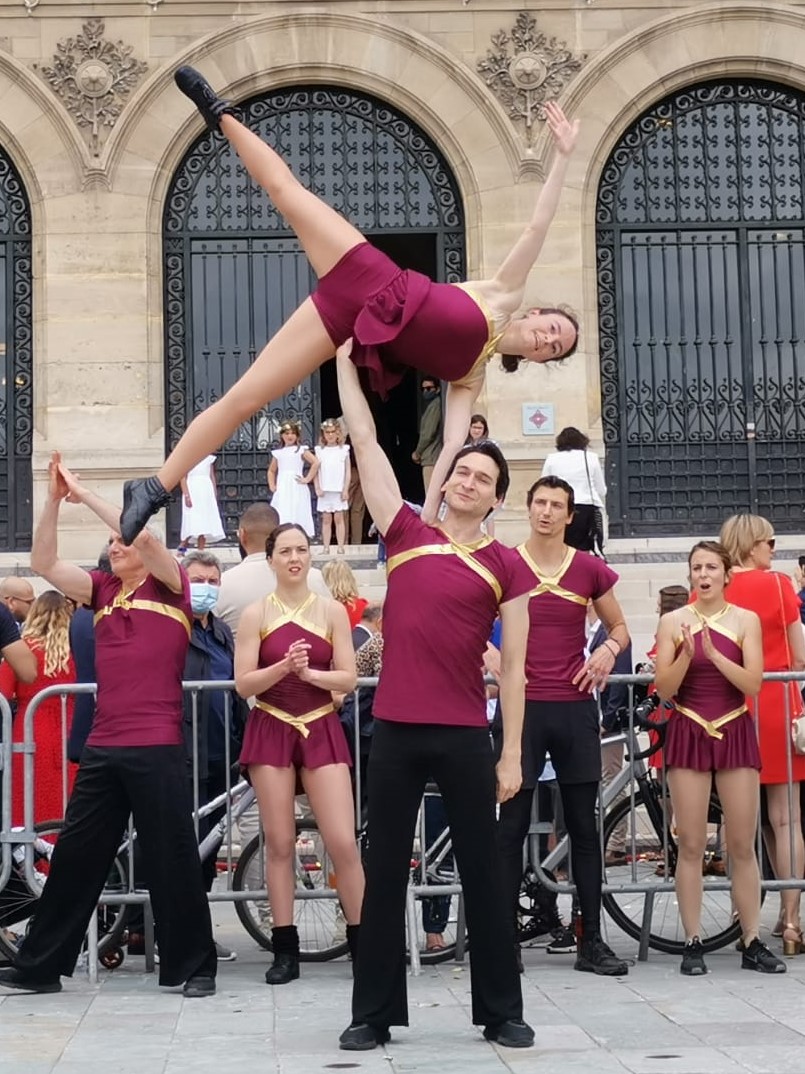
(234, 272)
(701, 274)
(16, 360)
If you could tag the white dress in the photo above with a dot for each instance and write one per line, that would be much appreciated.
(292, 499)
(203, 519)
(332, 471)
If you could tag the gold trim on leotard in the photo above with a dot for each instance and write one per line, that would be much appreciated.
(123, 602)
(713, 624)
(452, 548)
(550, 583)
(492, 339)
(712, 726)
(299, 723)
(294, 615)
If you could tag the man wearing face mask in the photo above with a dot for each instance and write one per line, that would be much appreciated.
(429, 444)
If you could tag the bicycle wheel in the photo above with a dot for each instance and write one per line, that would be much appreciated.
(18, 902)
(320, 921)
(717, 926)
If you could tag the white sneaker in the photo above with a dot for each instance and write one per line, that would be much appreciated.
(224, 954)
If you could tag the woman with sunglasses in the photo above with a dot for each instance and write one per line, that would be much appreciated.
(749, 539)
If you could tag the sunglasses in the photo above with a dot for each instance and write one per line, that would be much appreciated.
(770, 541)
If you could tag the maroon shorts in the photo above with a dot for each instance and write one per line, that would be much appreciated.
(270, 741)
(689, 746)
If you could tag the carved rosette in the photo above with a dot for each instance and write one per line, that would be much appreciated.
(525, 68)
(93, 77)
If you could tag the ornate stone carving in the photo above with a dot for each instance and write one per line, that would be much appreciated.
(525, 68)
(93, 77)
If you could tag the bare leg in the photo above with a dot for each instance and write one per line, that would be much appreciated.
(300, 347)
(340, 528)
(324, 233)
(201, 543)
(274, 788)
(785, 825)
(690, 794)
(738, 792)
(326, 529)
(330, 794)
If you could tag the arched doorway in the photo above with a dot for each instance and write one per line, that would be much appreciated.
(701, 275)
(16, 361)
(233, 271)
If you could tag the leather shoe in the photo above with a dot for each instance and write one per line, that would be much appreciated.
(14, 978)
(514, 1033)
(360, 1037)
(193, 85)
(199, 986)
(141, 500)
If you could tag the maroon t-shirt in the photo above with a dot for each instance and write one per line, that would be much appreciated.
(441, 602)
(557, 632)
(139, 659)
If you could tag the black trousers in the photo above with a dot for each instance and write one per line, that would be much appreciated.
(403, 758)
(150, 782)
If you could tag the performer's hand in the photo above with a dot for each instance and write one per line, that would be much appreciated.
(57, 486)
(710, 650)
(688, 647)
(509, 775)
(594, 674)
(565, 133)
(297, 656)
(344, 351)
(187, 500)
(75, 492)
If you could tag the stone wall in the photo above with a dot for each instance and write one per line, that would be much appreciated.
(97, 162)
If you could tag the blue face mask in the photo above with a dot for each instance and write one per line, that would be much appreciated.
(203, 597)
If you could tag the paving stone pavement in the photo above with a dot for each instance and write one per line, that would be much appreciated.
(651, 1022)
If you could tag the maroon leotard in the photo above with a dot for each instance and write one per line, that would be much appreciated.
(141, 641)
(558, 612)
(268, 738)
(706, 693)
(441, 603)
(399, 318)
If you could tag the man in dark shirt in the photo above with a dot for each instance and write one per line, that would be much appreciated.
(133, 761)
(19, 656)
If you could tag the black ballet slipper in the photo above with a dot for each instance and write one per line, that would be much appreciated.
(141, 500)
(195, 86)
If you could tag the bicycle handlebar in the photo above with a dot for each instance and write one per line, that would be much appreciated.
(641, 718)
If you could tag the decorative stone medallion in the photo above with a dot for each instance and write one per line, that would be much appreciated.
(93, 77)
(525, 68)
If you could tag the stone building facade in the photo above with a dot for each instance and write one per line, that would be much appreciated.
(98, 191)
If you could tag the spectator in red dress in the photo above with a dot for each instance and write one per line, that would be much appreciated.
(342, 584)
(47, 635)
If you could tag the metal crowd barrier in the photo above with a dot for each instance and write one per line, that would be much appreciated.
(26, 835)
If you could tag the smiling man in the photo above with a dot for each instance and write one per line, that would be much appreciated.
(446, 585)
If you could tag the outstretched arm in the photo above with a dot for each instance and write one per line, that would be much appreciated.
(380, 488)
(71, 579)
(510, 279)
(459, 405)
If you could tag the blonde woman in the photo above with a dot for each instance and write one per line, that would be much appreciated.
(749, 540)
(47, 635)
(343, 586)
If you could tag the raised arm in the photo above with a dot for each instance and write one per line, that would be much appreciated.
(157, 560)
(71, 579)
(510, 279)
(459, 405)
(380, 487)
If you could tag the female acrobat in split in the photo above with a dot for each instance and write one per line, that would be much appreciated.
(396, 318)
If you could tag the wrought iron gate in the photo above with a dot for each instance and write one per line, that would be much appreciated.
(234, 272)
(16, 361)
(701, 277)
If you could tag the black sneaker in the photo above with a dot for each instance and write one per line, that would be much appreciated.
(361, 1037)
(693, 959)
(199, 986)
(595, 957)
(197, 88)
(515, 1033)
(14, 978)
(142, 498)
(563, 942)
(758, 957)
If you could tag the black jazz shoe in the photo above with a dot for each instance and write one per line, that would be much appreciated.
(14, 978)
(360, 1037)
(197, 88)
(141, 499)
(512, 1034)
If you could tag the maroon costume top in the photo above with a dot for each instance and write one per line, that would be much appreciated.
(141, 640)
(290, 697)
(558, 618)
(399, 318)
(441, 603)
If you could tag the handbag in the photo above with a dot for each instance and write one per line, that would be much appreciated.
(798, 722)
(596, 529)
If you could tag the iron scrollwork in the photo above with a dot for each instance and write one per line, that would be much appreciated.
(701, 257)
